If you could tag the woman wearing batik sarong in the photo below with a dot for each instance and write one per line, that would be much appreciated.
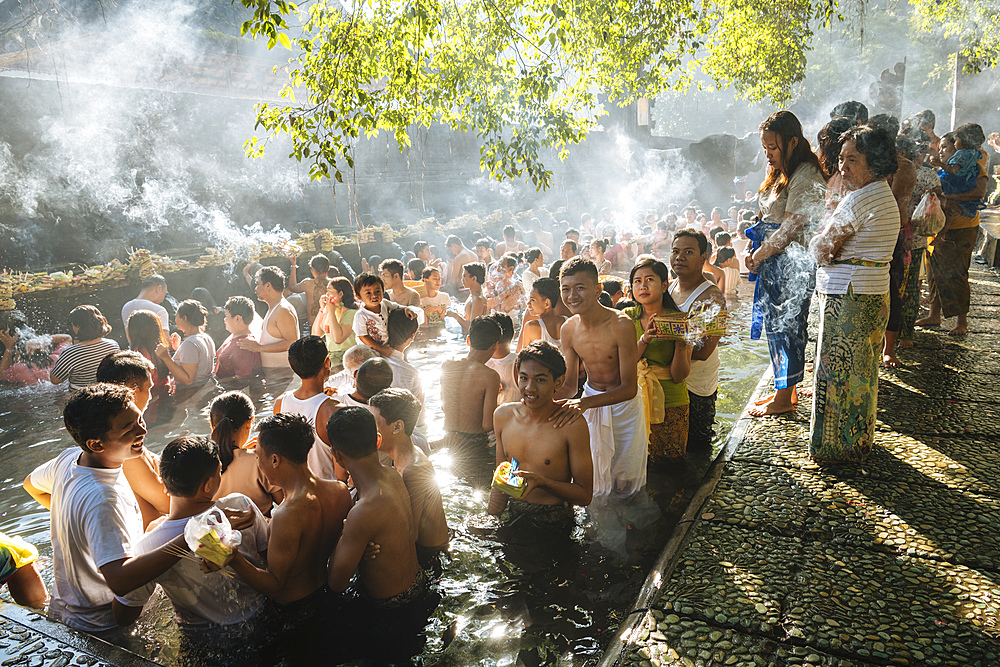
(853, 253)
(792, 201)
(664, 363)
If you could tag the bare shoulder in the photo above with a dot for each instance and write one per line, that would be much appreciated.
(622, 323)
(503, 414)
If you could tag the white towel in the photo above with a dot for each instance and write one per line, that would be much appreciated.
(618, 445)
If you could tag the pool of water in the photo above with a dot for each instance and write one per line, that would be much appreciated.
(507, 597)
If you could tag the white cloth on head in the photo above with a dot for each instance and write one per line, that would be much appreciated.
(95, 520)
(146, 304)
(617, 445)
(320, 457)
(200, 598)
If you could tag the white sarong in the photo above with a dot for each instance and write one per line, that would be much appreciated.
(618, 445)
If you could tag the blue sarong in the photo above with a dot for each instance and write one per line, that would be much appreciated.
(782, 294)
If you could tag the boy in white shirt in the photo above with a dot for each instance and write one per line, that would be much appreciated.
(371, 322)
(503, 360)
(192, 473)
(95, 517)
(436, 303)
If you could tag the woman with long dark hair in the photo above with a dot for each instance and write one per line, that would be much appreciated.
(231, 416)
(335, 320)
(792, 201)
(144, 332)
(664, 362)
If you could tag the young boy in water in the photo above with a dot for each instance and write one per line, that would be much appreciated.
(95, 517)
(469, 389)
(192, 473)
(391, 272)
(473, 277)
(130, 369)
(305, 527)
(436, 304)
(395, 412)
(542, 304)
(503, 359)
(555, 463)
(371, 322)
(382, 515)
(234, 366)
(604, 340)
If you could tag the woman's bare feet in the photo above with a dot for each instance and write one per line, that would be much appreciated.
(905, 343)
(928, 321)
(890, 360)
(764, 400)
(782, 401)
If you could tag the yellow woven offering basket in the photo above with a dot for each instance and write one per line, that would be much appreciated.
(504, 480)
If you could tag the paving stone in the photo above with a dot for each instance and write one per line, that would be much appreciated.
(919, 415)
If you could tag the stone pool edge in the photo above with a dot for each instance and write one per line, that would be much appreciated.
(665, 563)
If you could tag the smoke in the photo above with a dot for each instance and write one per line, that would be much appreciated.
(109, 150)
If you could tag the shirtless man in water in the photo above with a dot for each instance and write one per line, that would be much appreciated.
(469, 388)
(604, 340)
(280, 329)
(555, 463)
(382, 515)
(306, 526)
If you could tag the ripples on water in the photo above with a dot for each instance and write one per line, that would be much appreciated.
(509, 596)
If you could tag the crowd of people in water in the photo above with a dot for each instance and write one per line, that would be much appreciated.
(590, 352)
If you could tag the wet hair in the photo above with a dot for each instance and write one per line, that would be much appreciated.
(366, 279)
(555, 269)
(204, 297)
(145, 332)
(828, 141)
(228, 413)
(287, 435)
(452, 240)
(477, 270)
(306, 356)
(187, 463)
(509, 260)
(352, 432)
(612, 286)
(240, 306)
(878, 147)
(419, 247)
(428, 272)
(506, 325)
(571, 243)
(532, 255)
(786, 126)
(401, 327)
(605, 299)
(694, 234)
(373, 376)
(89, 412)
(545, 354)
(155, 280)
(715, 231)
(547, 288)
(484, 333)
(125, 367)
(508, 232)
(273, 276)
(393, 266)
(600, 243)
(723, 238)
(320, 262)
(576, 265)
(854, 111)
(662, 272)
(89, 322)
(193, 312)
(395, 405)
(415, 266)
(908, 147)
(344, 286)
(886, 122)
(724, 255)
(971, 134)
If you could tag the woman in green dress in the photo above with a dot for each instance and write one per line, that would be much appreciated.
(335, 321)
(664, 363)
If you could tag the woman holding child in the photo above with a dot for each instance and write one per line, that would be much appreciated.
(853, 253)
(664, 363)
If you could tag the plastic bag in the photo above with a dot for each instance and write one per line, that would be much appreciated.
(505, 480)
(210, 536)
(928, 218)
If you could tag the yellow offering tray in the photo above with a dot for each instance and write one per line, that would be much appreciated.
(506, 481)
(683, 326)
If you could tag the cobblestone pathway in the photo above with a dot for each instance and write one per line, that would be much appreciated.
(896, 562)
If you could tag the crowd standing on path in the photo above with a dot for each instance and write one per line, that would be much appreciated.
(573, 379)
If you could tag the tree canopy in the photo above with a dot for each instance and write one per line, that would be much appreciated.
(523, 75)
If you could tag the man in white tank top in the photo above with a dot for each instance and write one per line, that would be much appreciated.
(280, 329)
(310, 361)
(692, 291)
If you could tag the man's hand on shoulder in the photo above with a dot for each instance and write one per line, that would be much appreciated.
(570, 410)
